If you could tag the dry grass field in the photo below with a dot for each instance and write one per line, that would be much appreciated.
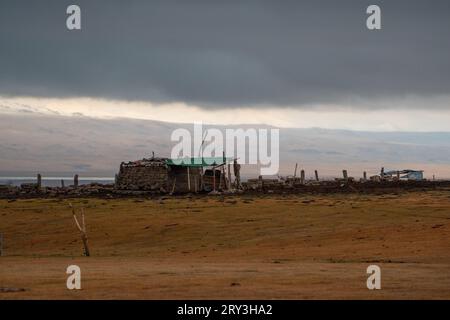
(236, 247)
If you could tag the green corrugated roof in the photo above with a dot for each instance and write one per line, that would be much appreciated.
(198, 162)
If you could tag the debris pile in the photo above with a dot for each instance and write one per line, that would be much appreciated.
(32, 190)
(161, 176)
(6, 189)
(260, 184)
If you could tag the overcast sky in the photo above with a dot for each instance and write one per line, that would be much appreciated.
(280, 58)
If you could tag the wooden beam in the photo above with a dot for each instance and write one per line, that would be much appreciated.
(229, 176)
(188, 179)
(1, 244)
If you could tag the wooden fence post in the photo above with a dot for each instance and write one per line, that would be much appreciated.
(75, 181)
(82, 229)
(344, 173)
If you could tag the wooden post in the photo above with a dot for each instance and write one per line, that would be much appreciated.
(398, 175)
(224, 177)
(229, 176)
(202, 184)
(82, 229)
(220, 179)
(62, 183)
(173, 185)
(224, 173)
(302, 176)
(1, 244)
(237, 174)
(344, 173)
(365, 176)
(317, 175)
(214, 179)
(295, 170)
(39, 180)
(75, 181)
(189, 179)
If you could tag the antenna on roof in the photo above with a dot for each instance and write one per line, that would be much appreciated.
(200, 153)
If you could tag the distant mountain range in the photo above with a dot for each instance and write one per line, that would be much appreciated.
(55, 144)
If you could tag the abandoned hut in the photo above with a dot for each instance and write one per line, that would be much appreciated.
(174, 175)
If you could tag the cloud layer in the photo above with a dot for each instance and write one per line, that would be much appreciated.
(401, 118)
(229, 53)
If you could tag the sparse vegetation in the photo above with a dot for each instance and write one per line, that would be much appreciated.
(274, 246)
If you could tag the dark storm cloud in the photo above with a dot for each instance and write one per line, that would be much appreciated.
(225, 53)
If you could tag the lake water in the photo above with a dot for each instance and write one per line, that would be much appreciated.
(54, 181)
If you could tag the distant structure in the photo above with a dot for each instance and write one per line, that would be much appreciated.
(170, 175)
(406, 174)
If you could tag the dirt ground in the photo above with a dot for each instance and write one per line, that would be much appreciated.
(236, 247)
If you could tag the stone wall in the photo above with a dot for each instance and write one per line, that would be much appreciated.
(143, 175)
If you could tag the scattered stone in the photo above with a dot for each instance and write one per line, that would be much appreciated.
(6, 289)
(171, 225)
